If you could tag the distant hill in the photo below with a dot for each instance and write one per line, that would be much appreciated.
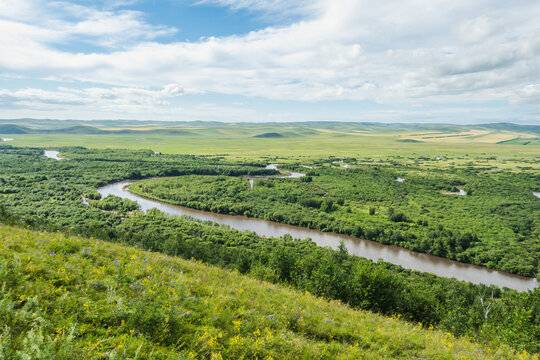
(86, 130)
(269, 135)
(147, 132)
(409, 141)
(77, 129)
(257, 130)
(13, 129)
(513, 127)
(166, 132)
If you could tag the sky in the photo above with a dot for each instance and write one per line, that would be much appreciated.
(436, 61)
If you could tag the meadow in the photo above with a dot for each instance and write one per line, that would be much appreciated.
(297, 141)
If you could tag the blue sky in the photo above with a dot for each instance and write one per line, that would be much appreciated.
(271, 60)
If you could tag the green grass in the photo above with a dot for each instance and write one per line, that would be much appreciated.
(65, 297)
(311, 140)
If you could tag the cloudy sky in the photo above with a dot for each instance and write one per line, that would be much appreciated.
(457, 61)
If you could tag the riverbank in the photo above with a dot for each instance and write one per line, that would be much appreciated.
(360, 247)
(367, 202)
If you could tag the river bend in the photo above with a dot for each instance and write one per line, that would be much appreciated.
(360, 247)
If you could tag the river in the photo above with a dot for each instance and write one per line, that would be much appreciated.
(290, 174)
(360, 247)
(51, 154)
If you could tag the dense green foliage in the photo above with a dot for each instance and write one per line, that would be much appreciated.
(46, 194)
(116, 203)
(63, 297)
(496, 225)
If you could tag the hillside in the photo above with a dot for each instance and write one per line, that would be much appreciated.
(85, 130)
(11, 129)
(269, 135)
(77, 129)
(71, 298)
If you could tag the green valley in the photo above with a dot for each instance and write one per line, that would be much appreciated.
(48, 194)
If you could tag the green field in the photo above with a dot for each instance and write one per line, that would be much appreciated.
(299, 140)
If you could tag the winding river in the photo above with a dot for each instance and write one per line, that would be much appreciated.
(356, 246)
(360, 247)
(290, 174)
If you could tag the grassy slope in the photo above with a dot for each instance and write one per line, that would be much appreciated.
(74, 298)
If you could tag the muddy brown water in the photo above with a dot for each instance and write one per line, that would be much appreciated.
(360, 247)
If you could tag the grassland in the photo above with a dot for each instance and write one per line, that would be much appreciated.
(65, 297)
(299, 140)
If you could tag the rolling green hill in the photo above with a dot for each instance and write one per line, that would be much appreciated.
(65, 297)
(86, 130)
(77, 129)
(300, 139)
(269, 135)
(10, 129)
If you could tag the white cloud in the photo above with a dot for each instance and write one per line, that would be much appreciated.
(22, 10)
(131, 99)
(476, 30)
(108, 28)
(51, 23)
(387, 51)
(276, 8)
